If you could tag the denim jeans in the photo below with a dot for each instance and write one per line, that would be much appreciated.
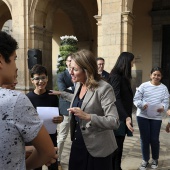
(149, 135)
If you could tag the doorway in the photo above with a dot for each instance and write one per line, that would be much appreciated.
(166, 55)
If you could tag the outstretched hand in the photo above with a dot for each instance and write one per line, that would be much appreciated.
(80, 113)
(53, 92)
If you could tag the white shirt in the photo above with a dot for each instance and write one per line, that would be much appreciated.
(19, 123)
(150, 94)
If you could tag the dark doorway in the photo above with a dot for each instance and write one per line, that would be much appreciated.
(166, 55)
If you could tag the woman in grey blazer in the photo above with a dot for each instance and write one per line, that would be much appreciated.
(93, 116)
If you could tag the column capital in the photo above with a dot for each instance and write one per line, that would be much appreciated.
(127, 16)
(40, 30)
(98, 18)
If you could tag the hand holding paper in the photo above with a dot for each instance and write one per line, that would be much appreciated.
(58, 119)
(154, 110)
(47, 114)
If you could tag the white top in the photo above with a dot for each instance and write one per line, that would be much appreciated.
(150, 94)
(19, 123)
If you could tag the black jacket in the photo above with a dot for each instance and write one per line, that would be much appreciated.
(124, 95)
(105, 75)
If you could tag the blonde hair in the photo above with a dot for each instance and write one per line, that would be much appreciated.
(86, 60)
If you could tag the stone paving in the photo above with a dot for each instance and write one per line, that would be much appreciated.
(132, 155)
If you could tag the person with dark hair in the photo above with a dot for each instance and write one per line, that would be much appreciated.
(120, 80)
(64, 83)
(100, 64)
(151, 100)
(93, 116)
(40, 97)
(19, 121)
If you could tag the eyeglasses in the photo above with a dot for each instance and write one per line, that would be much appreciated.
(68, 60)
(100, 64)
(42, 78)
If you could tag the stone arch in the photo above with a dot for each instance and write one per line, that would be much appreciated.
(41, 15)
(127, 5)
(7, 2)
(5, 12)
(33, 5)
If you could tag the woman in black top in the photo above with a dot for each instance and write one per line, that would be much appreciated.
(119, 79)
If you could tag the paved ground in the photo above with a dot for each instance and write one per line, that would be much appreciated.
(132, 154)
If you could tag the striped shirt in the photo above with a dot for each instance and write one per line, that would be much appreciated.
(151, 95)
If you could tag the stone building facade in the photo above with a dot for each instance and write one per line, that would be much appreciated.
(106, 27)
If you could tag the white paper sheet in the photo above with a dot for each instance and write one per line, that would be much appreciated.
(152, 110)
(47, 114)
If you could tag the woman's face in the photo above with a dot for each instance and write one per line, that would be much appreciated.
(156, 77)
(77, 73)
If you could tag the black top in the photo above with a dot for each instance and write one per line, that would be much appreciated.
(124, 95)
(124, 101)
(44, 100)
(77, 103)
(105, 75)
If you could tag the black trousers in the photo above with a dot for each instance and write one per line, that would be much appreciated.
(80, 158)
(117, 155)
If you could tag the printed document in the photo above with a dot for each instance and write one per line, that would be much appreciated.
(152, 110)
(46, 114)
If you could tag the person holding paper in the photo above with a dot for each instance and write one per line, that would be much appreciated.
(93, 115)
(40, 97)
(151, 99)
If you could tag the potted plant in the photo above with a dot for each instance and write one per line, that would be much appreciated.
(68, 45)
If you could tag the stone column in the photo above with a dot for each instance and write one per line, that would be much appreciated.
(109, 32)
(19, 32)
(127, 31)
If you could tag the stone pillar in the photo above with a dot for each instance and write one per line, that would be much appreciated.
(127, 31)
(109, 32)
(19, 32)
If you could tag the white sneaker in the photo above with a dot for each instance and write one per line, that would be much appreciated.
(143, 165)
(154, 164)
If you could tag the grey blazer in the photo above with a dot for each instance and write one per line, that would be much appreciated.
(98, 133)
(64, 83)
